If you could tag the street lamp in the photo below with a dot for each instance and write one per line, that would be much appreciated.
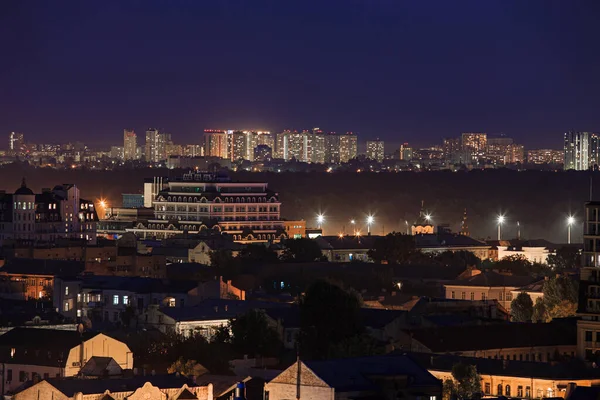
(428, 218)
(320, 220)
(370, 221)
(570, 221)
(353, 222)
(500, 222)
(406, 222)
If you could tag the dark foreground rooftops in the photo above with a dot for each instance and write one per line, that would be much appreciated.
(494, 279)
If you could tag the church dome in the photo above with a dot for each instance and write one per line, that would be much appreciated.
(24, 190)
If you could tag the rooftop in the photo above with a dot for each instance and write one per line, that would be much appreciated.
(47, 267)
(215, 309)
(494, 279)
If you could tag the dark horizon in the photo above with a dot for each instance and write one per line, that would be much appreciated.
(403, 72)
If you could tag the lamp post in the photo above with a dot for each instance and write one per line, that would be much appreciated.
(320, 220)
(406, 222)
(570, 221)
(353, 223)
(370, 221)
(500, 222)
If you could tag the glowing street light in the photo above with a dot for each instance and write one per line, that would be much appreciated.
(370, 221)
(500, 220)
(570, 221)
(320, 219)
(428, 218)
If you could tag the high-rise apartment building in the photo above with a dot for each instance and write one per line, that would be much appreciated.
(588, 327)
(406, 152)
(193, 150)
(474, 145)
(375, 150)
(594, 152)
(498, 149)
(316, 146)
(15, 142)
(515, 154)
(129, 145)
(237, 142)
(215, 143)
(576, 149)
(452, 151)
(295, 146)
(156, 145)
(545, 156)
(348, 147)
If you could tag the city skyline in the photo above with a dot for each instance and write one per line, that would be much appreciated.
(404, 73)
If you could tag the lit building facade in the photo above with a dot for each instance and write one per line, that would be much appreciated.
(545, 156)
(406, 152)
(576, 149)
(46, 217)
(498, 149)
(215, 143)
(453, 152)
(129, 145)
(15, 142)
(294, 145)
(474, 145)
(248, 211)
(588, 327)
(348, 147)
(515, 154)
(316, 146)
(375, 150)
(156, 145)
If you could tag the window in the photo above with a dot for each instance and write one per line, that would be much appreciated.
(126, 300)
(508, 296)
(66, 290)
(78, 313)
(12, 352)
(9, 375)
(453, 295)
(66, 306)
(500, 296)
(499, 392)
(519, 391)
(115, 316)
(507, 390)
(483, 297)
(23, 376)
(472, 296)
(463, 296)
(527, 391)
(115, 299)
(488, 389)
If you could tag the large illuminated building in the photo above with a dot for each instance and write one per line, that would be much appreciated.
(474, 145)
(129, 145)
(545, 156)
(60, 213)
(201, 202)
(375, 150)
(576, 150)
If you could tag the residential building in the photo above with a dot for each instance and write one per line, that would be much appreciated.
(375, 150)
(530, 341)
(294, 145)
(515, 154)
(216, 143)
(129, 145)
(576, 149)
(46, 217)
(474, 145)
(387, 377)
(406, 152)
(487, 285)
(453, 152)
(535, 251)
(447, 241)
(263, 153)
(16, 141)
(316, 146)
(518, 379)
(164, 387)
(588, 327)
(193, 150)
(498, 149)
(348, 147)
(545, 156)
(34, 354)
(156, 145)
(133, 200)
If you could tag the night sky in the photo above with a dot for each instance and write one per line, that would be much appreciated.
(411, 71)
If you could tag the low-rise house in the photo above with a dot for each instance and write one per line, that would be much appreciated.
(447, 241)
(346, 248)
(518, 379)
(487, 285)
(33, 354)
(202, 319)
(539, 342)
(159, 387)
(388, 377)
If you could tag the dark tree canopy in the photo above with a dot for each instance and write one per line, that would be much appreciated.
(521, 308)
(394, 248)
(565, 258)
(561, 294)
(251, 335)
(302, 250)
(254, 254)
(467, 382)
(329, 318)
(539, 311)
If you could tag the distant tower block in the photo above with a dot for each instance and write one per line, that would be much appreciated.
(464, 228)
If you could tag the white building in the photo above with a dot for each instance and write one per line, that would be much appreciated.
(535, 251)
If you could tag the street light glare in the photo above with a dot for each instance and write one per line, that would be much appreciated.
(500, 219)
(370, 219)
(571, 220)
(428, 217)
(320, 218)
(352, 222)
(102, 203)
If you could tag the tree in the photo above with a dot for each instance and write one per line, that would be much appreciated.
(467, 381)
(128, 316)
(565, 258)
(521, 308)
(225, 263)
(517, 265)
(394, 248)
(560, 296)
(251, 335)
(539, 311)
(329, 315)
(187, 368)
(48, 292)
(254, 254)
(457, 258)
(301, 250)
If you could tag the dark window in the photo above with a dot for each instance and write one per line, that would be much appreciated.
(499, 393)
(588, 336)
(22, 376)
(488, 388)
(507, 390)
(9, 374)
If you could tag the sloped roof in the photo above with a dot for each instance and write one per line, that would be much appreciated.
(221, 383)
(33, 266)
(364, 242)
(137, 284)
(352, 374)
(496, 336)
(70, 386)
(445, 239)
(494, 279)
(214, 309)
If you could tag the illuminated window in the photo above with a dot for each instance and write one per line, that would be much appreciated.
(66, 290)
(115, 299)
(66, 306)
(125, 300)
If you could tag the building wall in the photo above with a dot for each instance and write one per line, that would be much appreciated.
(504, 294)
(22, 373)
(101, 346)
(532, 254)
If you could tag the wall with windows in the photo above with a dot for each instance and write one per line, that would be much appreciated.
(503, 294)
